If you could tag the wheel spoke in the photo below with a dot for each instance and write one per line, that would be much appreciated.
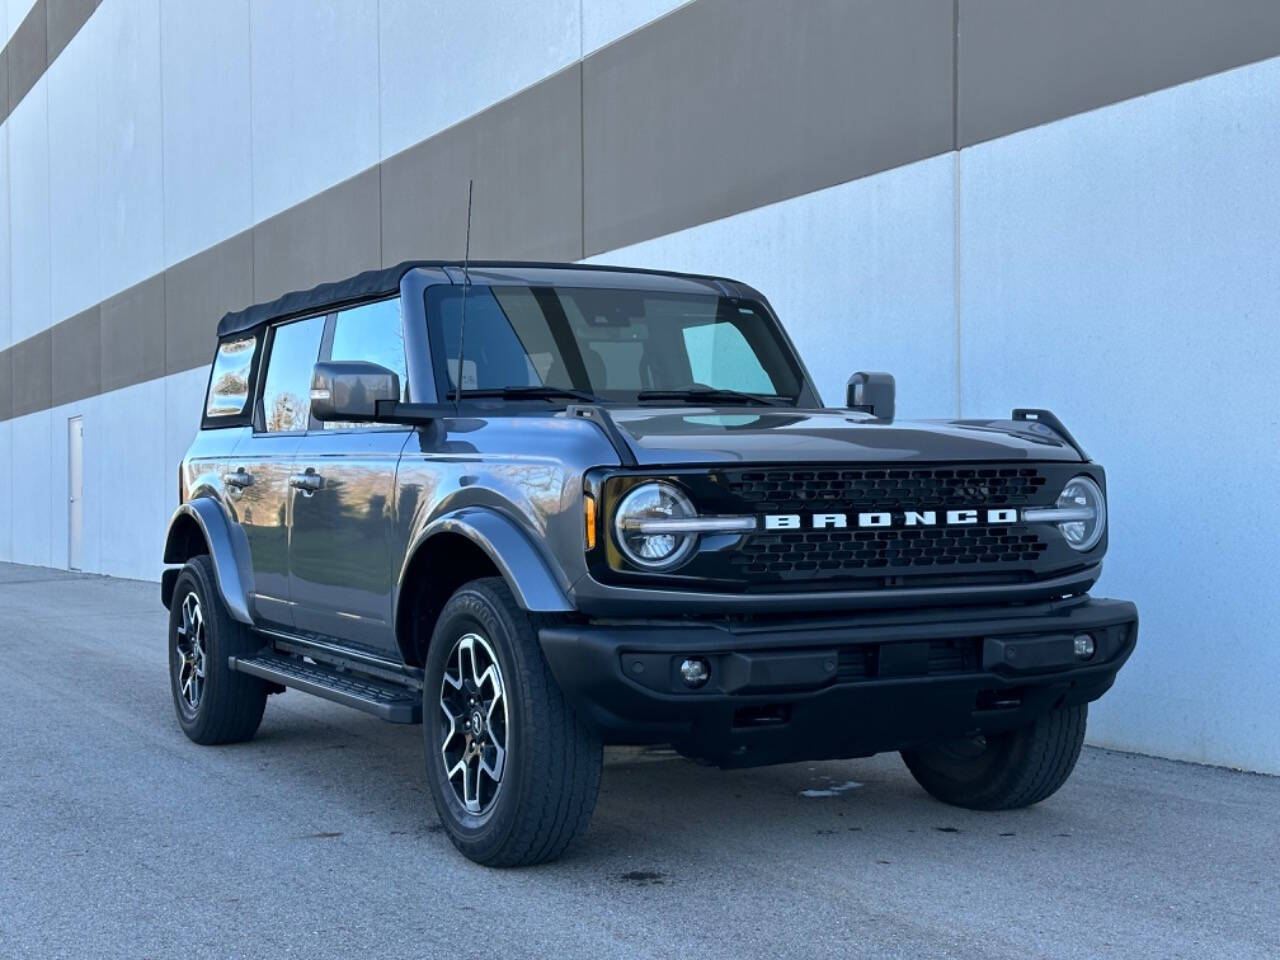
(494, 769)
(490, 676)
(468, 653)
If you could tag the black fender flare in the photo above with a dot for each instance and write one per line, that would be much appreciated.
(529, 574)
(228, 549)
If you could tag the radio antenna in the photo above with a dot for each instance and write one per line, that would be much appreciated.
(466, 282)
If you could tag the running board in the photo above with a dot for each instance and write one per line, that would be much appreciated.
(392, 702)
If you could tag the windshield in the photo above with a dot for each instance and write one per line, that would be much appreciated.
(614, 345)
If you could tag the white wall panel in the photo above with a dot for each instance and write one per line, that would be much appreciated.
(604, 21)
(132, 514)
(1121, 268)
(30, 489)
(131, 184)
(208, 173)
(6, 318)
(443, 62)
(6, 490)
(315, 97)
(75, 208)
(29, 214)
(860, 274)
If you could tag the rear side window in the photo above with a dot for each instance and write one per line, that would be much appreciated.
(286, 394)
(229, 382)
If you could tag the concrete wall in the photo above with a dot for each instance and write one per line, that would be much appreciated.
(1004, 203)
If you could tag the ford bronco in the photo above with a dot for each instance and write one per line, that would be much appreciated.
(539, 508)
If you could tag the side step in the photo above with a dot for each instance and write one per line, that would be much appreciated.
(390, 701)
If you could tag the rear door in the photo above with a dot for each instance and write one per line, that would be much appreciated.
(342, 577)
(261, 467)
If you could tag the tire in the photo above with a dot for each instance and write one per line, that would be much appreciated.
(1006, 771)
(227, 705)
(548, 775)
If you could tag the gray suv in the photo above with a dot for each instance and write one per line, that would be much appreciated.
(538, 508)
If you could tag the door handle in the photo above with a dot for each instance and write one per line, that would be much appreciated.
(308, 482)
(239, 479)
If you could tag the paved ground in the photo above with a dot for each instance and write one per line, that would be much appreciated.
(118, 837)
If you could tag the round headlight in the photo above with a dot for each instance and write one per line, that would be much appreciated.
(1089, 513)
(639, 523)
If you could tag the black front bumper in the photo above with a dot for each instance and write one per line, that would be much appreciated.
(817, 688)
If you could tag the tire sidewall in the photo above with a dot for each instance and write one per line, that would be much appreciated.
(473, 610)
(195, 578)
(189, 583)
(1020, 767)
(971, 772)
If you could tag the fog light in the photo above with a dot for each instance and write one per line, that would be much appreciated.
(695, 672)
(1085, 647)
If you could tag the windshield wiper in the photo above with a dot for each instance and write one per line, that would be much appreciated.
(540, 392)
(699, 394)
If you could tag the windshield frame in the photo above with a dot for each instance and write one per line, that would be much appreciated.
(772, 343)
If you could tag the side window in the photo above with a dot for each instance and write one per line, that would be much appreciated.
(286, 395)
(372, 332)
(720, 356)
(229, 381)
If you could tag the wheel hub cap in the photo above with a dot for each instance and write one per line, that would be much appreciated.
(474, 703)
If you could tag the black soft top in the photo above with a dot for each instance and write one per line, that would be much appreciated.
(375, 283)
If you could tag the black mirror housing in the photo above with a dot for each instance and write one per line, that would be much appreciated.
(872, 393)
(349, 390)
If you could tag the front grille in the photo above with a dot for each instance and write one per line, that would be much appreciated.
(920, 545)
(837, 551)
(914, 489)
(788, 556)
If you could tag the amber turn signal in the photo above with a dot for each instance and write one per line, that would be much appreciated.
(589, 516)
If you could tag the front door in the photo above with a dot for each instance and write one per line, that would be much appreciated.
(342, 579)
(342, 572)
(261, 469)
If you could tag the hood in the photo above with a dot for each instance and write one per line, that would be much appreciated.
(687, 435)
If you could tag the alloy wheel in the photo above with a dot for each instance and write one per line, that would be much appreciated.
(191, 653)
(473, 700)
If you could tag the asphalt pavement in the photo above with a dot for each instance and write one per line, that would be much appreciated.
(120, 838)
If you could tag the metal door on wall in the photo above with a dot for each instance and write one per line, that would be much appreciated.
(75, 490)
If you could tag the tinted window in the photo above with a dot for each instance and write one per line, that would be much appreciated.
(286, 395)
(612, 343)
(494, 355)
(229, 382)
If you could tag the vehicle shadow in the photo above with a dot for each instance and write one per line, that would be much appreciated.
(653, 804)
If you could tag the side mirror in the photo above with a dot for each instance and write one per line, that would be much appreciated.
(349, 390)
(872, 393)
